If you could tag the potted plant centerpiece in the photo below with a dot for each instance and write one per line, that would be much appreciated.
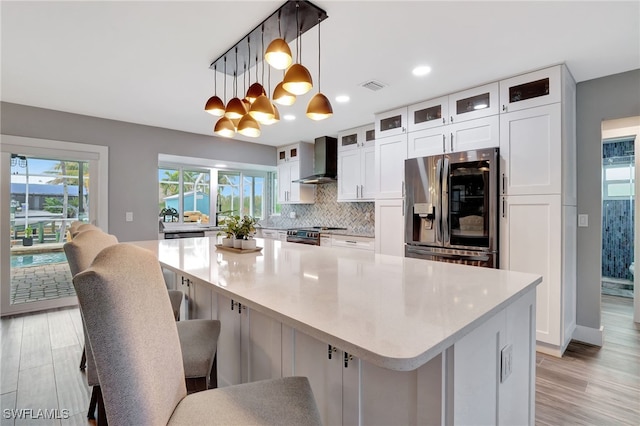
(27, 240)
(246, 230)
(230, 227)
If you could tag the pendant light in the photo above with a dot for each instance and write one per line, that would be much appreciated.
(278, 54)
(282, 97)
(248, 126)
(235, 107)
(319, 106)
(215, 105)
(262, 108)
(224, 127)
(297, 79)
(256, 89)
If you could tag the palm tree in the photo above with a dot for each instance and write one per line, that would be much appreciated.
(69, 173)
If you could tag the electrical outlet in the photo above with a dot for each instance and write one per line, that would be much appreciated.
(506, 360)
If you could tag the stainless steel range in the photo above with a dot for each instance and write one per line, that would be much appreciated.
(310, 235)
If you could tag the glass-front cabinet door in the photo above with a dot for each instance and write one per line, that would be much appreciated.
(429, 114)
(391, 123)
(474, 103)
(531, 90)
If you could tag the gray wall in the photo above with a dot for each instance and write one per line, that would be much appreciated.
(615, 96)
(133, 157)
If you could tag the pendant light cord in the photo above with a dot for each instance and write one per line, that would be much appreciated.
(319, 20)
(235, 77)
(297, 35)
(225, 79)
(215, 80)
(262, 42)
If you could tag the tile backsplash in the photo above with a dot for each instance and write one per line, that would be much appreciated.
(327, 211)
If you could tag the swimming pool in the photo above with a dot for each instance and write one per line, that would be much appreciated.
(23, 260)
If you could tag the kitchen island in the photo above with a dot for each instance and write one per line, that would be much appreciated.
(383, 339)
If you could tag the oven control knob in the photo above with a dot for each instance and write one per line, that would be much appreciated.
(314, 235)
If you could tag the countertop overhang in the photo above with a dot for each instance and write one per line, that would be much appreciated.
(395, 312)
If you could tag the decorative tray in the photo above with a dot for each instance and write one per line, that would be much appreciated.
(237, 250)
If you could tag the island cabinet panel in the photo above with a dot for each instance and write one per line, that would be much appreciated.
(201, 302)
(229, 351)
(264, 347)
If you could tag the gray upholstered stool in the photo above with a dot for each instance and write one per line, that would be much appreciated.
(138, 356)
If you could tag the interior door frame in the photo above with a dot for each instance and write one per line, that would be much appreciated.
(628, 127)
(98, 158)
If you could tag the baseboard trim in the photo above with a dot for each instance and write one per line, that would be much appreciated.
(592, 336)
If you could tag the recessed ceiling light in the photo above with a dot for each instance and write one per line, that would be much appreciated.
(342, 98)
(289, 117)
(421, 70)
(220, 165)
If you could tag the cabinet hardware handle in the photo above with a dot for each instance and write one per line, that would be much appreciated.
(444, 149)
(451, 142)
(361, 191)
(504, 186)
(357, 196)
(350, 242)
(504, 108)
(504, 208)
(347, 358)
(404, 130)
(452, 118)
(444, 121)
(240, 308)
(403, 194)
(182, 280)
(331, 350)
(402, 207)
(232, 304)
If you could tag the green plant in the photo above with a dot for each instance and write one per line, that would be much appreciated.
(28, 232)
(246, 228)
(230, 225)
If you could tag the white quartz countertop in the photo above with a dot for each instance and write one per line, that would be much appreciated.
(394, 312)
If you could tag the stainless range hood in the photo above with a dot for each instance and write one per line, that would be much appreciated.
(325, 162)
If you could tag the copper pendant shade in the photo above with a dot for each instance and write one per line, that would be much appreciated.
(282, 97)
(278, 54)
(275, 119)
(255, 91)
(297, 80)
(215, 106)
(225, 128)
(248, 126)
(235, 109)
(262, 109)
(319, 107)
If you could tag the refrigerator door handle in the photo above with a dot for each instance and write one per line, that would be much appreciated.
(427, 252)
(445, 201)
(438, 208)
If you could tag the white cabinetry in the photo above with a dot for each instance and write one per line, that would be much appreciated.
(349, 241)
(539, 215)
(481, 101)
(294, 162)
(389, 227)
(463, 136)
(271, 234)
(356, 164)
(229, 355)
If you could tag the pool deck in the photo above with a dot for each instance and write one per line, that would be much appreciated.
(43, 282)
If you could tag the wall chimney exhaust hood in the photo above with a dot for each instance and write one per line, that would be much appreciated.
(325, 162)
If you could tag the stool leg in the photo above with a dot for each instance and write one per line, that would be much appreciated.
(102, 415)
(83, 360)
(93, 402)
(213, 377)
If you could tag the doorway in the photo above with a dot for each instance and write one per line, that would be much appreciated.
(620, 227)
(46, 185)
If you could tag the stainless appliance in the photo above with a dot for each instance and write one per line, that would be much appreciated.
(451, 209)
(309, 235)
(325, 161)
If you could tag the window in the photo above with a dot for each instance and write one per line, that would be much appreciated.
(618, 181)
(184, 194)
(242, 193)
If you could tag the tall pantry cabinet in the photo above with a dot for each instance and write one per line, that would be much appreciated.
(538, 195)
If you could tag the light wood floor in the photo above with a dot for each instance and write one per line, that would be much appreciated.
(588, 386)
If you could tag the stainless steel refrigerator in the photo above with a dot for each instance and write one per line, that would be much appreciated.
(451, 207)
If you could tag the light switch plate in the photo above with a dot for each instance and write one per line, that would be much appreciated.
(129, 216)
(583, 220)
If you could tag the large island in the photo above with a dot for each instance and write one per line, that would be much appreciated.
(383, 339)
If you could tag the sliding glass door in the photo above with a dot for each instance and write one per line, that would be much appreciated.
(44, 190)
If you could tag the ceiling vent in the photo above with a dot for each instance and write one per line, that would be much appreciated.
(373, 85)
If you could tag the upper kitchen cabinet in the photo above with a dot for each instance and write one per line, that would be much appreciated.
(356, 164)
(295, 161)
(531, 90)
(538, 145)
(474, 103)
(391, 123)
(290, 153)
(429, 114)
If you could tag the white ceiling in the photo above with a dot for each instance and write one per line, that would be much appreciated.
(147, 62)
